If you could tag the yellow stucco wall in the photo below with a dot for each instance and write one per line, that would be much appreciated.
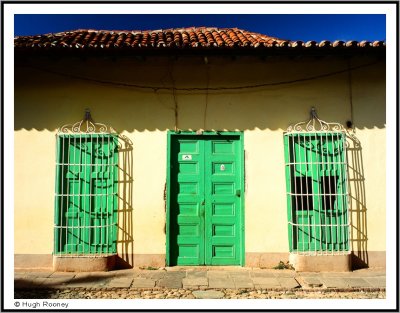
(34, 191)
(45, 100)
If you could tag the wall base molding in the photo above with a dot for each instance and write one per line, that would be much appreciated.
(321, 263)
(372, 259)
(34, 261)
(265, 260)
(84, 264)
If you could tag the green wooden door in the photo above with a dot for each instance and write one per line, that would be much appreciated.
(206, 200)
(86, 194)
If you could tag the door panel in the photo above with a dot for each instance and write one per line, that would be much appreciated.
(223, 189)
(205, 206)
(190, 202)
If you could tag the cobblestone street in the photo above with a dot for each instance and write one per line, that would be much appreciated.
(125, 293)
(201, 283)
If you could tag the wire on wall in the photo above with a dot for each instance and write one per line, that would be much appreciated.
(351, 95)
(208, 89)
(206, 104)
(170, 71)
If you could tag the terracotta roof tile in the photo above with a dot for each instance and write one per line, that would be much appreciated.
(183, 38)
(338, 43)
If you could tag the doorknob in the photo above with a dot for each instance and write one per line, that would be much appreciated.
(238, 191)
(203, 202)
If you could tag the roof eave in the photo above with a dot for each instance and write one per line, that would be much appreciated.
(221, 51)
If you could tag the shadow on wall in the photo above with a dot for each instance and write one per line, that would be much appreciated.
(125, 209)
(358, 208)
(48, 93)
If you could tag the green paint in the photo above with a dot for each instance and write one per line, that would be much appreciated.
(316, 178)
(86, 194)
(205, 199)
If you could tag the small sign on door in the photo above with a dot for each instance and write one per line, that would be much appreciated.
(186, 157)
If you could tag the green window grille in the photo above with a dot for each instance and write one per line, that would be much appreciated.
(86, 192)
(316, 187)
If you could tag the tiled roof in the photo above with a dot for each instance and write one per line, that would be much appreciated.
(194, 38)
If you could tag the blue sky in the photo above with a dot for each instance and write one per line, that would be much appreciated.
(286, 26)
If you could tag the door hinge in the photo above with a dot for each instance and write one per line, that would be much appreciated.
(165, 197)
(244, 170)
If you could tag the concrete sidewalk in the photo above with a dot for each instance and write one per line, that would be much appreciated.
(203, 278)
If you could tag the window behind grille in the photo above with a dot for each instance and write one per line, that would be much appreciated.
(86, 194)
(316, 183)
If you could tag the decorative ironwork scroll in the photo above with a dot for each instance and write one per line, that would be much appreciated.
(86, 125)
(315, 124)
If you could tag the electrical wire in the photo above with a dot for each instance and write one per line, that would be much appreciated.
(156, 88)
